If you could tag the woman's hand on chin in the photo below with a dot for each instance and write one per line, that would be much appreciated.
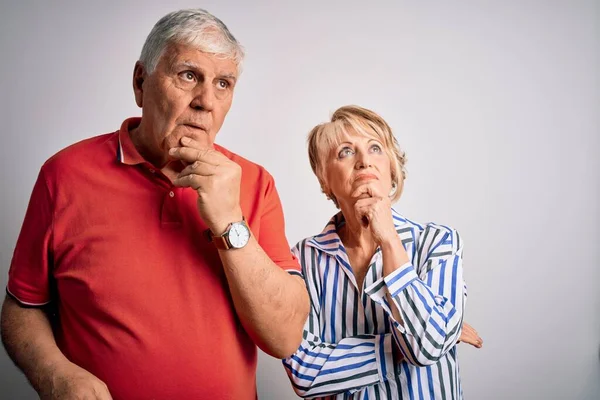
(373, 210)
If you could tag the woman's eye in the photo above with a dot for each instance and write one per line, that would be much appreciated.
(345, 152)
(376, 148)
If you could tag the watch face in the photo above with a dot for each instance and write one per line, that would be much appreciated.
(238, 235)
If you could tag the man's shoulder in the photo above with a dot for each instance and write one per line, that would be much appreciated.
(85, 152)
(251, 171)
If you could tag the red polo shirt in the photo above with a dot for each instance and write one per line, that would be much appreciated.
(142, 298)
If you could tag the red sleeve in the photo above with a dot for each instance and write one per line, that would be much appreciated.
(272, 232)
(28, 276)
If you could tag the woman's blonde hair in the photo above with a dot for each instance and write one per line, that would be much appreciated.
(324, 137)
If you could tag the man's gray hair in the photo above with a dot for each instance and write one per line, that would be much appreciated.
(194, 27)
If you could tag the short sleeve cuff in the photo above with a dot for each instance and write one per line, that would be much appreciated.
(294, 272)
(24, 302)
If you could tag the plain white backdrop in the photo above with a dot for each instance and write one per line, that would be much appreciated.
(497, 105)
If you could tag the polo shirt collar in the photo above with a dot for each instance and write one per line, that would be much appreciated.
(126, 152)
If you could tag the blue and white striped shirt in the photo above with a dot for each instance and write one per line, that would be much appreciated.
(346, 352)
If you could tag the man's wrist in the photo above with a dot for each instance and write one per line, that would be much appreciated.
(48, 372)
(219, 227)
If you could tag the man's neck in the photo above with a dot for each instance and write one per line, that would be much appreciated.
(139, 141)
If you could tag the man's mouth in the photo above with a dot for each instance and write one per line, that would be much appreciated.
(195, 127)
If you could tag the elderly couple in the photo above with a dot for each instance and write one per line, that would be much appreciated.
(151, 261)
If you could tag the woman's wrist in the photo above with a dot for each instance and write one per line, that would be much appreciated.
(391, 242)
(394, 255)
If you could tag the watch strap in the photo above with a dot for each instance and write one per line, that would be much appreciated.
(220, 242)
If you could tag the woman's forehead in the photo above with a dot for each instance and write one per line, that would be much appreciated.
(342, 134)
(349, 134)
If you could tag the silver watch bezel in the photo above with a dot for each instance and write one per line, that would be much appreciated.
(228, 233)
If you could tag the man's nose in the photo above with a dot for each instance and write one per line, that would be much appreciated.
(204, 98)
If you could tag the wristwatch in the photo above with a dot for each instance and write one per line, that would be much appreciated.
(235, 236)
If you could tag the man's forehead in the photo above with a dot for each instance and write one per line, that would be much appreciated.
(186, 55)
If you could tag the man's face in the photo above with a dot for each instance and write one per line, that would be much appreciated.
(188, 94)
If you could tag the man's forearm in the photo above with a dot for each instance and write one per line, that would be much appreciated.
(272, 304)
(29, 341)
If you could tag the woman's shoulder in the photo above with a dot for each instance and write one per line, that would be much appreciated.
(322, 243)
(302, 245)
(440, 241)
(431, 235)
(440, 231)
(308, 253)
(327, 240)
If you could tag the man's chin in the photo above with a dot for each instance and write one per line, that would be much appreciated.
(200, 137)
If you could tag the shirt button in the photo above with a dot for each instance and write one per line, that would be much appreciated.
(171, 194)
(152, 171)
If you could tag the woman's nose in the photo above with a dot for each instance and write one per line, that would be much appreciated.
(362, 160)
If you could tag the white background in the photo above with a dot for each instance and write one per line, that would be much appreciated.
(497, 105)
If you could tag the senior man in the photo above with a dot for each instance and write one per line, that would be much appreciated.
(152, 261)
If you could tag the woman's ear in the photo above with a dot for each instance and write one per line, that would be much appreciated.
(394, 189)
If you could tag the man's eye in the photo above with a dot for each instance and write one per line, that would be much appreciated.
(188, 76)
(345, 152)
(222, 84)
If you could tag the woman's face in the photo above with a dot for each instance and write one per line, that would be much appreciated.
(357, 168)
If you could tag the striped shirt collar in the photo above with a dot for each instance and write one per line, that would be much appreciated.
(126, 152)
(329, 241)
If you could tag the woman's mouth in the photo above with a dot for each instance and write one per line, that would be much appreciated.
(365, 177)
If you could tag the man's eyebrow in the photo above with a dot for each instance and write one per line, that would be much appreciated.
(189, 64)
(233, 77)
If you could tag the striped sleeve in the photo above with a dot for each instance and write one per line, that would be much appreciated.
(319, 368)
(431, 303)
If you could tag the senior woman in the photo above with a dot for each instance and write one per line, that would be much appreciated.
(387, 294)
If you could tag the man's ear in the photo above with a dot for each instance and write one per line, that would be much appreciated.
(139, 76)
